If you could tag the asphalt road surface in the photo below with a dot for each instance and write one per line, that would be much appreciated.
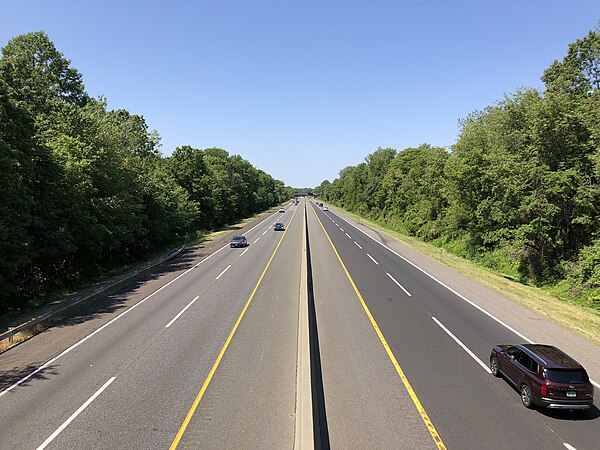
(203, 354)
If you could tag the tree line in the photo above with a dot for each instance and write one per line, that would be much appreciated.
(519, 191)
(86, 189)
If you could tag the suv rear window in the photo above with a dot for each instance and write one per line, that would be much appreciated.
(567, 376)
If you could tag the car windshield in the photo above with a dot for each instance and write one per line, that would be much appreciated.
(566, 376)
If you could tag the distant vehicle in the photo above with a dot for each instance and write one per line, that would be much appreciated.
(281, 210)
(279, 227)
(325, 208)
(320, 204)
(544, 376)
(238, 241)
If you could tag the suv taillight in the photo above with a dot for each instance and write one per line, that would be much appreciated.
(545, 389)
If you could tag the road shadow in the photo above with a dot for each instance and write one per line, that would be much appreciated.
(592, 413)
(114, 298)
(10, 377)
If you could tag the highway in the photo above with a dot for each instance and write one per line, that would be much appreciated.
(204, 354)
(442, 344)
(156, 357)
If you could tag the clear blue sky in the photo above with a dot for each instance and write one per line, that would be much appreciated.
(303, 89)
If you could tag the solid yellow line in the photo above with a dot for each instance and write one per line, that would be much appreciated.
(210, 375)
(428, 423)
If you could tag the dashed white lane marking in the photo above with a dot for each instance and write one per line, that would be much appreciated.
(490, 315)
(75, 414)
(372, 259)
(244, 252)
(107, 324)
(399, 285)
(464, 347)
(265, 232)
(459, 295)
(349, 237)
(256, 240)
(358, 245)
(341, 229)
(181, 312)
(569, 446)
(226, 269)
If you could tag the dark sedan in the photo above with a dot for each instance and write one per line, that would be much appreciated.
(238, 241)
(544, 376)
(279, 226)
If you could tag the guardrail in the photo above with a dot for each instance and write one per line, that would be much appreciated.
(20, 333)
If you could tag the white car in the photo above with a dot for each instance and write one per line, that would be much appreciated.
(281, 210)
(325, 208)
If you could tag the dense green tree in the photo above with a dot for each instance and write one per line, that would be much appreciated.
(85, 189)
(36, 73)
(188, 168)
(414, 189)
(16, 202)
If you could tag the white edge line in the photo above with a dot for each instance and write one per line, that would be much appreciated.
(399, 285)
(110, 322)
(75, 414)
(244, 252)
(349, 237)
(181, 312)
(372, 259)
(226, 269)
(358, 245)
(464, 347)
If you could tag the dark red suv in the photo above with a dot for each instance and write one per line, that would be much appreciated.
(544, 375)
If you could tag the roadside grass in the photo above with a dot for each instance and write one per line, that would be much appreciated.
(549, 302)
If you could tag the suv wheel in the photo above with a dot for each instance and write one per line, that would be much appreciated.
(526, 396)
(494, 366)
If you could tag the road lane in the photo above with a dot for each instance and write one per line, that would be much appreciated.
(447, 377)
(153, 364)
